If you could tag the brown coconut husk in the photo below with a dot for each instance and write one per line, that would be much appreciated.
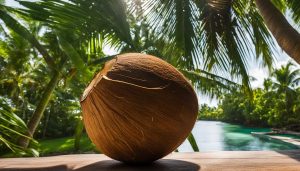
(138, 108)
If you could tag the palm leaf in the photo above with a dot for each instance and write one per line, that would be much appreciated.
(217, 34)
(73, 55)
(12, 127)
(294, 6)
(102, 60)
(23, 32)
(175, 21)
(208, 83)
(105, 17)
(193, 142)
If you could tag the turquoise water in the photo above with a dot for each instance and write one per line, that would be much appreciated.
(219, 136)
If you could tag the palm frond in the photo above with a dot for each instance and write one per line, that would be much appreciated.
(90, 17)
(294, 6)
(23, 32)
(208, 83)
(281, 5)
(12, 127)
(175, 20)
(222, 36)
(102, 60)
(73, 55)
(184, 32)
(286, 78)
(294, 77)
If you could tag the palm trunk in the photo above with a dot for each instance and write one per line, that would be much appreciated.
(38, 113)
(286, 36)
(78, 134)
(46, 124)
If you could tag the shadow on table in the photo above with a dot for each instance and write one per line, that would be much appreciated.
(51, 168)
(295, 154)
(164, 164)
(112, 165)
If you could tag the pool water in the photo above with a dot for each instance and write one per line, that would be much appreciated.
(220, 136)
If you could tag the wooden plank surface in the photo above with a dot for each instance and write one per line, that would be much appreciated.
(225, 160)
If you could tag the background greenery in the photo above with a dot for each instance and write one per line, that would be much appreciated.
(50, 50)
(275, 105)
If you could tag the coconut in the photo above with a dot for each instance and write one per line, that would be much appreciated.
(138, 108)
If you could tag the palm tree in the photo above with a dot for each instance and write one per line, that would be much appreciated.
(205, 32)
(212, 33)
(148, 42)
(56, 70)
(65, 25)
(65, 40)
(198, 45)
(17, 70)
(286, 36)
(268, 84)
(220, 26)
(286, 80)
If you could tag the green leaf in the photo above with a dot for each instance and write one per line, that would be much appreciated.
(23, 32)
(102, 60)
(70, 51)
(193, 142)
(33, 152)
(14, 131)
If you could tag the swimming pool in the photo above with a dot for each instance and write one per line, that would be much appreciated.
(220, 136)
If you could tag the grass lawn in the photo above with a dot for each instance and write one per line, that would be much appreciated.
(60, 146)
(65, 146)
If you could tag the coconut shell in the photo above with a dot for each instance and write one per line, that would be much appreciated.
(138, 108)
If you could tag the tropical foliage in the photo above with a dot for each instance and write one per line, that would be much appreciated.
(276, 105)
(12, 127)
(210, 113)
(49, 50)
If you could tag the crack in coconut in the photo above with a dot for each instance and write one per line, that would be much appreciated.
(148, 88)
(130, 77)
(108, 67)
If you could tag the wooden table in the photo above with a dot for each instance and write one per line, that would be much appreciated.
(225, 160)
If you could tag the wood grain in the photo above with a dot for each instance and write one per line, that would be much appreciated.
(233, 160)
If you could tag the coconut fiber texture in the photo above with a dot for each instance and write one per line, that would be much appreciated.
(138, 108)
